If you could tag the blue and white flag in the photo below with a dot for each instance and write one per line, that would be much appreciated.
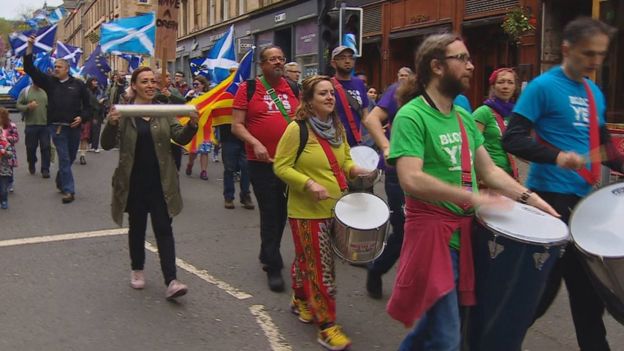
(97, 67)
(70, 53)
(44, 62)
(130, 35)
(134, 61)
(20, 85)
(221, 58)
(57, 14)
(243, 72)
(3, 77)
(43, 42)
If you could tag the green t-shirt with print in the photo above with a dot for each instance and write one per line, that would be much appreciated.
(424, 132)
(492, 137)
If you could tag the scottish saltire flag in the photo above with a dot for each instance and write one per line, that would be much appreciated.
(57, 14)
(70, 53)
(198, 68)
(135, 35)
(3, 77)
(215, 106)
(221, 57)
(44, 62)
(43, 42)
(134, 61)
(20, 85)
(97, 67)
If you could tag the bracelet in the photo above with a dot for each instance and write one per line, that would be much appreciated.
(524, 197)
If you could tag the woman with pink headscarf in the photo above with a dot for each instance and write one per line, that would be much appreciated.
(493, 115)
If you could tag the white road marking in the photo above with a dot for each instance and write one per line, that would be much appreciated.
(276, 340)
(63, 237)
(204, 275)
(271, 331)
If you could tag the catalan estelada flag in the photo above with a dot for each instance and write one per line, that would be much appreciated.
(215, 106)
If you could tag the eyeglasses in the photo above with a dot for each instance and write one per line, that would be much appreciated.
(465, 58)
(294, 72)
(195, 84)
(275, 59)
(343, 58)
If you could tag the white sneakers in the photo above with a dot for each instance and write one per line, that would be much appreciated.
(174, 290)
(137, 279)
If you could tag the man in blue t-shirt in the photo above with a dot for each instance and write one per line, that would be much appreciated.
(383, 112)
(343, 61)
(556, 105)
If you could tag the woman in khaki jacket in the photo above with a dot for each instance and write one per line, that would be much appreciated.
(146, 179)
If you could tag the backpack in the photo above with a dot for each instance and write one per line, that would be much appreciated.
(251, 88)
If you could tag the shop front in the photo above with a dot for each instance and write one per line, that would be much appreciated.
(295, 30)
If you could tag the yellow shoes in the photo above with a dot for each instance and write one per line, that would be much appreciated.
(333, 338)
(300, 308)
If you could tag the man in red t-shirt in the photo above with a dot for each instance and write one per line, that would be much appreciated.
(260, 121)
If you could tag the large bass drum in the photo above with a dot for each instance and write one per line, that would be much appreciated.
(514, 251)
(597, 228)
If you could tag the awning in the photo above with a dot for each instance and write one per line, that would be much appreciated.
(486, 21)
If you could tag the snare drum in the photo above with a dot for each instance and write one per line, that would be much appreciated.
(514, 251)
(597, 228)
(360, 227)
(367, 158)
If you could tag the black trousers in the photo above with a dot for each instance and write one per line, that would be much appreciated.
(270, 193)
(585, 303)
(140, 203)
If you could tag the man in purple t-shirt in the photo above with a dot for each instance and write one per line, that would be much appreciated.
(343, 61)
(385, 110)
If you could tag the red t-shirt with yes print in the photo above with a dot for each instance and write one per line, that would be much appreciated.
(264, 120)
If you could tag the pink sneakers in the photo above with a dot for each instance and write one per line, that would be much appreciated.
(175, 289)
(137, 280)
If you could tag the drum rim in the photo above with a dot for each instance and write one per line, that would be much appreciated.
(559, 242)
(522, 240)
(362, 192)
(574, 212)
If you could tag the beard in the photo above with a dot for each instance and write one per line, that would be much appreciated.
(275, 73)
(451, 86)
(343, 71)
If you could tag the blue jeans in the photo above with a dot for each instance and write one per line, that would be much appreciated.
(66, 141)
(439, 328)
(234, 159)
(38, 136)
(396, 201)
(4, 188)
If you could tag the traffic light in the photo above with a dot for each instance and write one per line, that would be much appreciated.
(330, 34)
(350, 29)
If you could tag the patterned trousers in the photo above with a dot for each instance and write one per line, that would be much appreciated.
(312, 272)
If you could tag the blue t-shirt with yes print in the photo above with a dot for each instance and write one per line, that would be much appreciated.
(559, 110)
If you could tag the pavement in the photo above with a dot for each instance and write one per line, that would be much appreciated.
(65, 282)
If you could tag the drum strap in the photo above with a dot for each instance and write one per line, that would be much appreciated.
(347, 109)
(333, 163)
(503, 128)
(466, 164)
(593, 175)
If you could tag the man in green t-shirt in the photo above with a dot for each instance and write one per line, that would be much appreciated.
(438, 152)
(33, 104)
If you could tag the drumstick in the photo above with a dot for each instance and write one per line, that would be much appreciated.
(154, 110)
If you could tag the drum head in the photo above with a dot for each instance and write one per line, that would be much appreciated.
(525, 223)
(365, 157)
(597, 222)
(362, 211)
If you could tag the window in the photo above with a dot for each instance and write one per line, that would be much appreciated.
(143, 2)
(225, 5)
(212, 12)
(196, 14)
